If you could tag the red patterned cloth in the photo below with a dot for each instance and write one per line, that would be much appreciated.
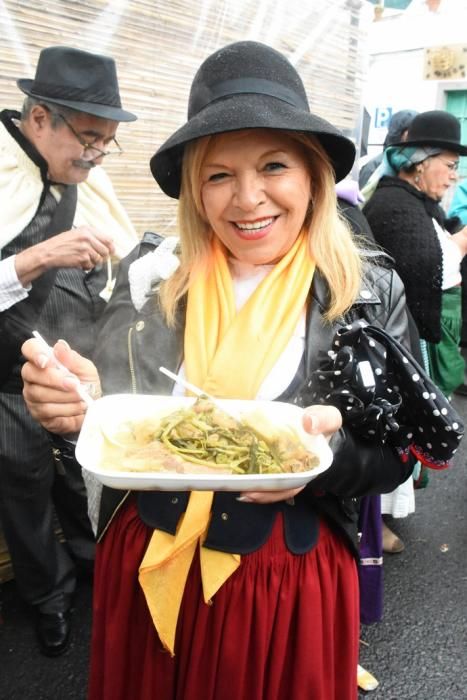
(282, 627)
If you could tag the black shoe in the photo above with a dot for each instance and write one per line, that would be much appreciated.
(53, 632)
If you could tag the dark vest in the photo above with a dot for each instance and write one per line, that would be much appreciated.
(72, 306)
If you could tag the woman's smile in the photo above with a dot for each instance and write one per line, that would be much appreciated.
(254, 230)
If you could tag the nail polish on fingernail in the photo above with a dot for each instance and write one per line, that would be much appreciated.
(244, 499)
(42, 360)
(70, 383)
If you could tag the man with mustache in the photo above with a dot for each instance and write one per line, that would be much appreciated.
(61, 227)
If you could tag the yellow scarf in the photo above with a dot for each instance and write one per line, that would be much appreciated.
(228, 354)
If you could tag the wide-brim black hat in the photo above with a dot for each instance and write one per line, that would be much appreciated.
(435, 128)
(247, 85)
(86, 82)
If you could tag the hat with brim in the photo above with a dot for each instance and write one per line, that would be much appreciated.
(247, 85)
(79, 80)
(435, 128)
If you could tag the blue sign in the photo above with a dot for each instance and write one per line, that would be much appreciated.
(382, 117)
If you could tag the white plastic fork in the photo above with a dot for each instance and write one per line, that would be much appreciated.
(195, 390)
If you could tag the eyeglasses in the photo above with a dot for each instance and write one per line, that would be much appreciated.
(453, 165)
(116, 150)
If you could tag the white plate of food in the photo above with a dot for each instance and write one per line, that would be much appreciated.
(172, 443)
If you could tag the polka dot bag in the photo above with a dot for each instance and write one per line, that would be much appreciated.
(384, 394)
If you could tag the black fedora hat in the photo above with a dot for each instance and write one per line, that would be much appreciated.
(86, 82)
(247, 85)
(435, 128)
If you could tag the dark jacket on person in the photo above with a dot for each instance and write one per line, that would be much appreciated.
(357, 222)
(367, 170)
(361, 229)
(401, 218)
(132, 346)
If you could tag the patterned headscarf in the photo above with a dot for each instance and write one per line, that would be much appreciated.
(395, 159)
(404, 157)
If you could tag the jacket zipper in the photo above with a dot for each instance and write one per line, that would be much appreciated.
(131, 363)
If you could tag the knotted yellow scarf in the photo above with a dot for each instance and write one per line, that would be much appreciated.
(228, 354)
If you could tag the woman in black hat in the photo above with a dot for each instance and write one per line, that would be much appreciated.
(406, 218)
(268, 606)
(404, 212)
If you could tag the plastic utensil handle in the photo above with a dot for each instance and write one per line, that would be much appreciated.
(191, 387)
(49, 351)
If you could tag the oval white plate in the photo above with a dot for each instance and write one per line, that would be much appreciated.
(113, 410)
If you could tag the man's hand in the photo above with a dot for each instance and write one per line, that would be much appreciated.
(83, 247)
(316, 419)
(50, 392)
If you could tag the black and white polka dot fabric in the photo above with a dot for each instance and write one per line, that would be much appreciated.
(384, 394)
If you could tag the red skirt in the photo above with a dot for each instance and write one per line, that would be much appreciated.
(282, 627)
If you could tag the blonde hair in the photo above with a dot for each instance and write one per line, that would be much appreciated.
(330, 240)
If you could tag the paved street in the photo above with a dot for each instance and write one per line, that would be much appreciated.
(418, 652)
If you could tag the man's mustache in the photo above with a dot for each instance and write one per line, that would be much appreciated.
(84, 164)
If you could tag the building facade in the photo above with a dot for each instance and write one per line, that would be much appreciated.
(417, 60)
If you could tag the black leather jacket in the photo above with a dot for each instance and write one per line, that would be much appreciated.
(131, 347)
